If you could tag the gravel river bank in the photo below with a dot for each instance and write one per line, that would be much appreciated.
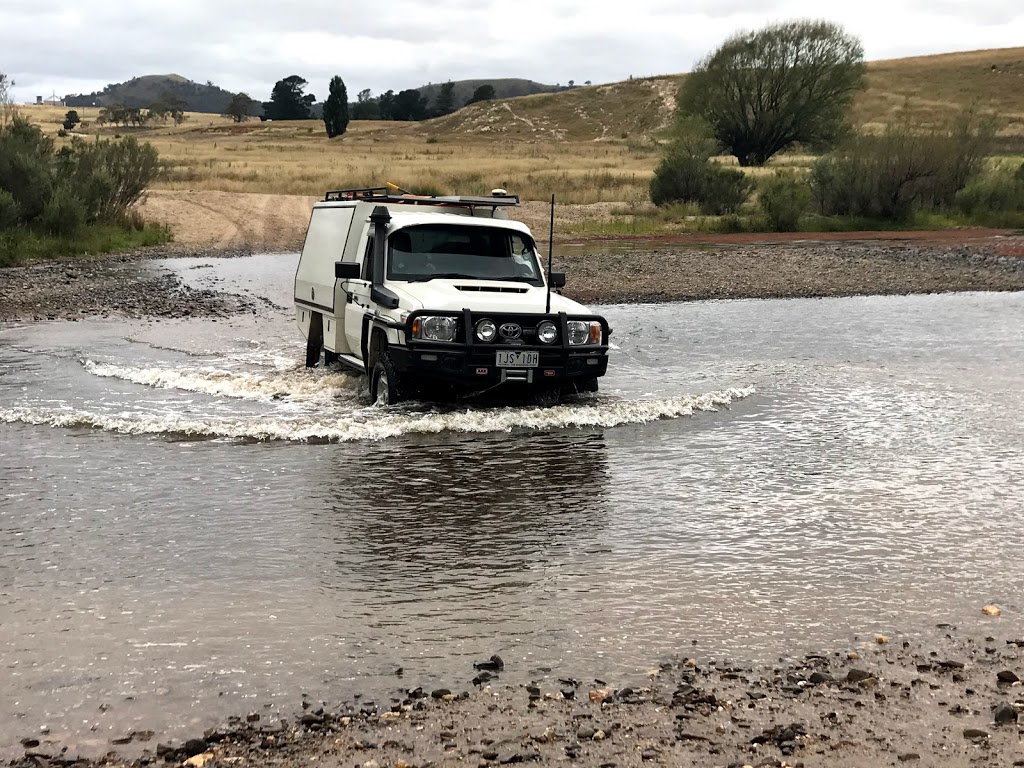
(952, 700)
(600, 272)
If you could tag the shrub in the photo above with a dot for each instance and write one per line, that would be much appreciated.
(10, 213)
(1000, 190)
(25, 170)
(784, 199)
(727, 189)
(110, 176)
(687, 178)
(64, 213)
(892, 175)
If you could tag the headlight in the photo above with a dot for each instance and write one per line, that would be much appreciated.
(486, 330)
(584, 332)
(435, 328)
(547, 332)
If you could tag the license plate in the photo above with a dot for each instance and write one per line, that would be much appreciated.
(509, 359)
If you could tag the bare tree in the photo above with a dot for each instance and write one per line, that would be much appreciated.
(7, 108)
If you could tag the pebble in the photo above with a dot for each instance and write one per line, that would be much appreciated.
(1007, 677)
(858, 675)
(1004, 713)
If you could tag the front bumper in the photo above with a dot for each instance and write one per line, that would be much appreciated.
(473, 364)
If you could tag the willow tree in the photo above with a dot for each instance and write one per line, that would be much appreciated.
(764, 91)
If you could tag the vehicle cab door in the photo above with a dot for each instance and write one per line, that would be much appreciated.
(358, 302)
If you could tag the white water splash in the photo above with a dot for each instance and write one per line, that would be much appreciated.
(297, 384)
(378, 424)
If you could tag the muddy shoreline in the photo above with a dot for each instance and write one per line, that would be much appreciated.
(953, 699)
(600, 272)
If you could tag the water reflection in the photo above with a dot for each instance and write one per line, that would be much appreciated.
(470, 512)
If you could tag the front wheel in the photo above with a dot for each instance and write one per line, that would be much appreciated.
(384, 382)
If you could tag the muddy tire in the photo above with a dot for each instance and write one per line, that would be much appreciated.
(314, 340)
(385, 386)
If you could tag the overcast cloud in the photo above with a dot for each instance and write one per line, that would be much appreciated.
(55, 46)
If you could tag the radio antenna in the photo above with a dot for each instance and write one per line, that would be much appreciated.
(551, 248)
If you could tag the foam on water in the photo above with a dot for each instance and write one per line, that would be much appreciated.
(296, 384)
(374, 423)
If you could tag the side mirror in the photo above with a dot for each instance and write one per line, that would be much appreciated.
(558, 279)
(346, 270)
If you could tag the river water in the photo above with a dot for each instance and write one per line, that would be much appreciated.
(192, 525)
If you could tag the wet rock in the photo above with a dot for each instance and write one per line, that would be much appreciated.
(1006, 677)
(30, 743)
(519, 757)
(858, 675)
(819, 678)
(906, 757)
(573, 751)
(586, 733)
(165, 750)
(493, 664)
(568, 694)
(975, 734)
(440, 693)
(1004, 714)
(482, 678)
(533, 691)
(194, 747)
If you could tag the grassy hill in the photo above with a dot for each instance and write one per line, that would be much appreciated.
(929, 86)
(142, 91)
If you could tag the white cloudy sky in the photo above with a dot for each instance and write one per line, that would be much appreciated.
(78, 46)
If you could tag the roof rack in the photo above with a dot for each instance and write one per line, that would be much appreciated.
(387, 195)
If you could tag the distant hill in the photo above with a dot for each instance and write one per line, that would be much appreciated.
(504, 88)
(142, 91)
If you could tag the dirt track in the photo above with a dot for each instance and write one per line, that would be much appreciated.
(231, 221)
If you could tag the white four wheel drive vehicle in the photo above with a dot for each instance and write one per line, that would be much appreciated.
(432, 296)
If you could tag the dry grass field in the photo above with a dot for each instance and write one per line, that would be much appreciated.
(594, 144)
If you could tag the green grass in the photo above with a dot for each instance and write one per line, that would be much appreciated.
(21, 245)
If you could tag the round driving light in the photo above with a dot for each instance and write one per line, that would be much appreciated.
(547, 332)
(486, 330)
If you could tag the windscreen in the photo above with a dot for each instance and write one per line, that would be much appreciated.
(432, 251)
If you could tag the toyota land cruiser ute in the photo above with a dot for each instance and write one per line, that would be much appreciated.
(438, 295)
